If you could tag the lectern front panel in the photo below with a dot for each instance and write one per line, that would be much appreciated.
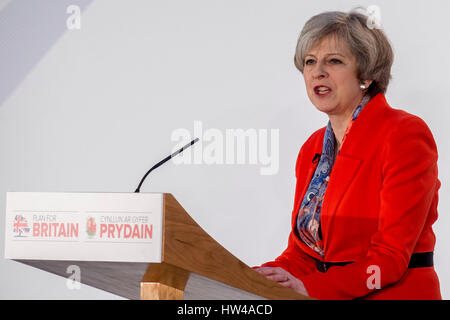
(119, 227)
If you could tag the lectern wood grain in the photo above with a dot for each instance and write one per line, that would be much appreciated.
(159, 291)
(187, 246)
(163, 281)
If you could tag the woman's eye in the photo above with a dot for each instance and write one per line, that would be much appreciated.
(335, 61)
(309, 61)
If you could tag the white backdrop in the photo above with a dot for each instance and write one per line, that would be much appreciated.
(92, 109)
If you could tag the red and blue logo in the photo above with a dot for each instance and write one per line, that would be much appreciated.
(21, 228)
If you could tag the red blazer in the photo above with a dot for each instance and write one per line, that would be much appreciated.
(379, 206)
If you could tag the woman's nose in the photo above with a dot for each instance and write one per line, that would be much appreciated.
(319, 71)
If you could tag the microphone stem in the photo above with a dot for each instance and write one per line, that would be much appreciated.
(138, 189)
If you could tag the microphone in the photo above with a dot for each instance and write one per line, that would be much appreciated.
(163, 161)
(316, 158)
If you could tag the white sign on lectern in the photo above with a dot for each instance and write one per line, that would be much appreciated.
(123, 227)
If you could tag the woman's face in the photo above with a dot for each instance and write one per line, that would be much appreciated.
(330, 77)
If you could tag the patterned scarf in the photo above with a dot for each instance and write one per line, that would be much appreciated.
(308, 218)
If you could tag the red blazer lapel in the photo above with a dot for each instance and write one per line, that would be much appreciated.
(351, 157)
(305, 169)
(344, 170)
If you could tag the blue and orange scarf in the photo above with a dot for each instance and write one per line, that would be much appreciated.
(308, 218)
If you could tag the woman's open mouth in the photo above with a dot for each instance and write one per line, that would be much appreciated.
(322, 91)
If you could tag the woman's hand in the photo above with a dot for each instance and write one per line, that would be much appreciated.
(283, 277)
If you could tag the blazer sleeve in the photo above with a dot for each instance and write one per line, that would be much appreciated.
(293, 259)
(409, 170)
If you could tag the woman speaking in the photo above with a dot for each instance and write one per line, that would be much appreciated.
(367, 184)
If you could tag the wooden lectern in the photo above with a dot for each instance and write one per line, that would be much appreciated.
(193, 266)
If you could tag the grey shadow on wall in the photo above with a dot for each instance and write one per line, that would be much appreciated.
(28, 29)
